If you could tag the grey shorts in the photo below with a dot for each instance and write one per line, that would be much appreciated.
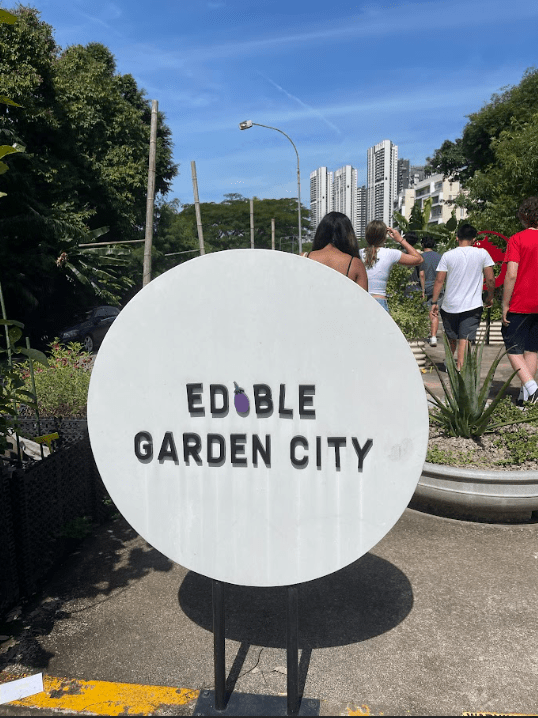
(521, 334)
(463, 325)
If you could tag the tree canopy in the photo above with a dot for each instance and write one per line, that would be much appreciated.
(226, 225)
(419, 223)
(86, 130)
(496, 192)
(475, 150)
(496, 157)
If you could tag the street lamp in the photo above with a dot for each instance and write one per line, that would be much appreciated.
(247, 124)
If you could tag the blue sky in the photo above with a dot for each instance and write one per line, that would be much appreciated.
(337, 77)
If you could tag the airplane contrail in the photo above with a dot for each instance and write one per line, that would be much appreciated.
(303, 104)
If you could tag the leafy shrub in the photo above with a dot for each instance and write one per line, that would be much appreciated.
(435, 455)
(77, 529)
(62, 387)
(408, 310)
(496, 311)
(13, 389)
(520, 445)
(465, 411)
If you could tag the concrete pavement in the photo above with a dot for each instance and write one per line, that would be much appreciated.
(438, 619)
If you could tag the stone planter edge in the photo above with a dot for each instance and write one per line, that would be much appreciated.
(476, 493)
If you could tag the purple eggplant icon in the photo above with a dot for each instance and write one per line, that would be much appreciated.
(241, 402)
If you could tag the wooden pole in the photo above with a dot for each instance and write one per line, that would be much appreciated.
(197, 208)
(115, 241)
(32, 377)
(6, 330)
(252, 224)
(146, 273)
(272, 233)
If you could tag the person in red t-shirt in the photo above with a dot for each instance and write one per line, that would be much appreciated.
(520, 301)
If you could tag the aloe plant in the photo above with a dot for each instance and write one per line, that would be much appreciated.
(465, 411)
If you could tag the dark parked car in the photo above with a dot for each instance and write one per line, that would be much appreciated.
(91, 328)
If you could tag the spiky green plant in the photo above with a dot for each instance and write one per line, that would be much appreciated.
(465, 411)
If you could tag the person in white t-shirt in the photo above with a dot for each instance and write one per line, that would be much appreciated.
(378, 260)
(464, 269)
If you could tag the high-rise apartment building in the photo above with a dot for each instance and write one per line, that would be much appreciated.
(337, 191)
(321, 183)
(403, 175)
(344, 194)
(382, 172)
(360, 227)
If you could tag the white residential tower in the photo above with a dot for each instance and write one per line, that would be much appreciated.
(320, 195)
(382, 172)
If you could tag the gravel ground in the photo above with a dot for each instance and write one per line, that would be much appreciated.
(486, 452)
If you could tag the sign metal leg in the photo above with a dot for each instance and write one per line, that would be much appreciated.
(219, 648)
(292, 651)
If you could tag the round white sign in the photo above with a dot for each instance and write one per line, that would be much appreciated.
(257, 417)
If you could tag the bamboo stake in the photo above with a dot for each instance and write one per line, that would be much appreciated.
(197, 208)
(31, 363)
(272, 233)
(115, 241)
(10, 364)
(146, 273)
(6, 330)
(252, 224)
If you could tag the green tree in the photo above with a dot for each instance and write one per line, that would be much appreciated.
(86, 130)
(6, 150)
(475, 150)
(496, 192)
(174, 241)
(109, 120)
(226, 225)
(419, 223)
(496, 157)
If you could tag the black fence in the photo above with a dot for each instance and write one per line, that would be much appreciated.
(39, 504)
(69, 430)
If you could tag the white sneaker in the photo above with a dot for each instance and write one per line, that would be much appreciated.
(433, 341)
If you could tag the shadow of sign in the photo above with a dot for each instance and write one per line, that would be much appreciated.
(365, 599)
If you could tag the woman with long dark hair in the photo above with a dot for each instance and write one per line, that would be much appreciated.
(379, 260)
(336, 246)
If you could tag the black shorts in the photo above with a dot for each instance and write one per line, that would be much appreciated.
(521, 335)
(463, 325)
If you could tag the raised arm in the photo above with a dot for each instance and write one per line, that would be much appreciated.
(412, 258)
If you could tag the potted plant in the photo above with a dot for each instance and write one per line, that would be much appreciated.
(482, 461)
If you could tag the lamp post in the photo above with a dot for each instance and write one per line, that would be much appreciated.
(247, 124)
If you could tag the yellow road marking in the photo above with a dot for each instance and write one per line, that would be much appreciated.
(104, 698)
(362, 711)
